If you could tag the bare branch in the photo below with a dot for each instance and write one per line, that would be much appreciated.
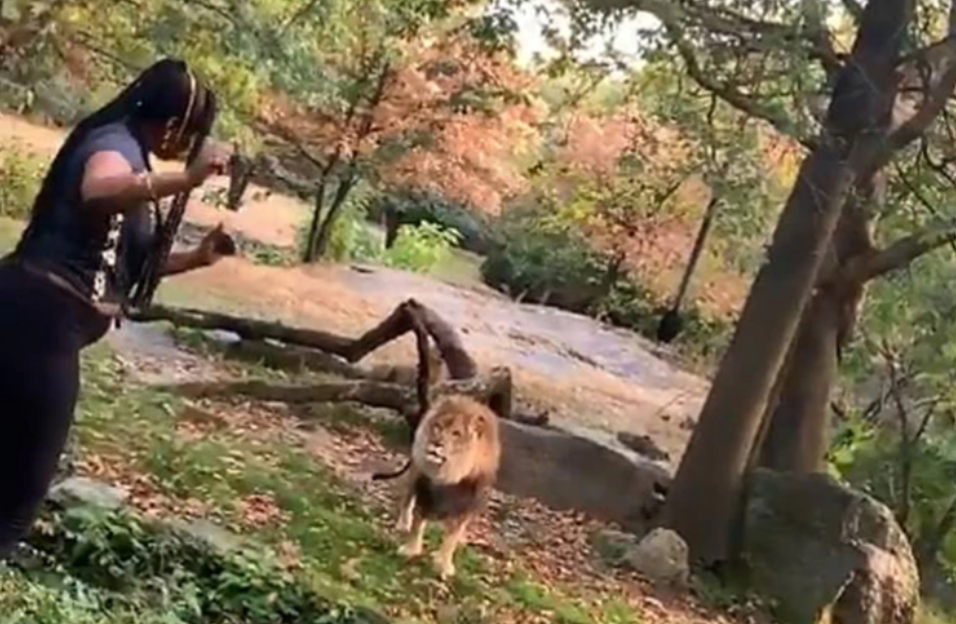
(734, 96)
(933, 70)
(901, 253)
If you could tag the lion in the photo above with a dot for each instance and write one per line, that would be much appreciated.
(454, 463)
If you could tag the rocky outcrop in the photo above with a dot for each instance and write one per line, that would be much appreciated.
(568, 471)
(819, 549)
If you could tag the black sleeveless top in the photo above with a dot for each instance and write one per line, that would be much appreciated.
(101, 256)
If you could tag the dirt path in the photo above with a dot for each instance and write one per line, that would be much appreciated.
(590, 375)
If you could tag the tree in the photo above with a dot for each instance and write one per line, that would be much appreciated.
(750, 56)
(402, 102)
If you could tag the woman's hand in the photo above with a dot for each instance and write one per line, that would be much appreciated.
(212, 160)
(215, 245)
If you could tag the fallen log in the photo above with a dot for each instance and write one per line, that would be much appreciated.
(292, 358)
(375, 394)
(493, 389)
(250, 329)
(336, 354)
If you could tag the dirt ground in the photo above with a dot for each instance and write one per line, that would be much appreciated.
(589, 375)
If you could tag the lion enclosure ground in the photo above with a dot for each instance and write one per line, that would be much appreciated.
(297, 480)
(589, 375)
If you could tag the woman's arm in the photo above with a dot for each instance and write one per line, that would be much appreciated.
(110, 185)
(214, 245)
(183, 261)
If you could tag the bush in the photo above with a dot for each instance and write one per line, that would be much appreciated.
(421, 248)
(414, 207)
(20, 176)
(538, 259)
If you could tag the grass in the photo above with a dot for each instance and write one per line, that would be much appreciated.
(463, 269)
(344, 546)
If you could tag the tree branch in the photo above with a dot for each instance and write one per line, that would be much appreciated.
(901, 253)
(933, 71)
(734, 96)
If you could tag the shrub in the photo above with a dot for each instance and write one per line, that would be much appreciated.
(537, 258)
(413, 207)
(421, 248)
(539, 261)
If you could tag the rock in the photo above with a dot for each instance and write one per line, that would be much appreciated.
(661, 557)
(567, 471)
(81, 492)
(818, 548)
(217, 538)
(612, 546)
(644, 445)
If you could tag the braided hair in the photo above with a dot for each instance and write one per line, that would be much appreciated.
(163, 92)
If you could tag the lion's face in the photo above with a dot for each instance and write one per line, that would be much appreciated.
(448, 445)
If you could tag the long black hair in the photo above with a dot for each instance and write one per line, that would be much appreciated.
(160, 93)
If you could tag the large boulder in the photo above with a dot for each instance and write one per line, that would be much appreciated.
(819, 549)
(565, 470)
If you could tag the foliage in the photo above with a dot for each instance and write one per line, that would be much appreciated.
(539, 259)
(421, 248)
(549, 261)
(21, 173)
(114, 561)
(744, 166)
(352, 238)
(412, 206)
(897, 440)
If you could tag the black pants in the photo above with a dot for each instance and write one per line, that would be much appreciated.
(42, 331)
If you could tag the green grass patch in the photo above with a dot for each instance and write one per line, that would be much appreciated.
(460, 268)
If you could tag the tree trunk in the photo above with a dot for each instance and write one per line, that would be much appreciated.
(798, 435)
(308, 252)
(703, 502)
(392, 223)
(799, 428)
(324, 235)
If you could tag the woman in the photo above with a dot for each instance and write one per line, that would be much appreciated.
(90, 231)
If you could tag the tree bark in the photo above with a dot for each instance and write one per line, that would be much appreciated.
(703, 502)
(798, 435)
(799, 426)
(308, 252)
(393, 221)
(241, 171)
(324, 234)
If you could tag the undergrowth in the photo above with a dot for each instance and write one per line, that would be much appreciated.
(113, 562)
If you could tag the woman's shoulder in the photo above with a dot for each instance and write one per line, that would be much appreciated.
(115, 137)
